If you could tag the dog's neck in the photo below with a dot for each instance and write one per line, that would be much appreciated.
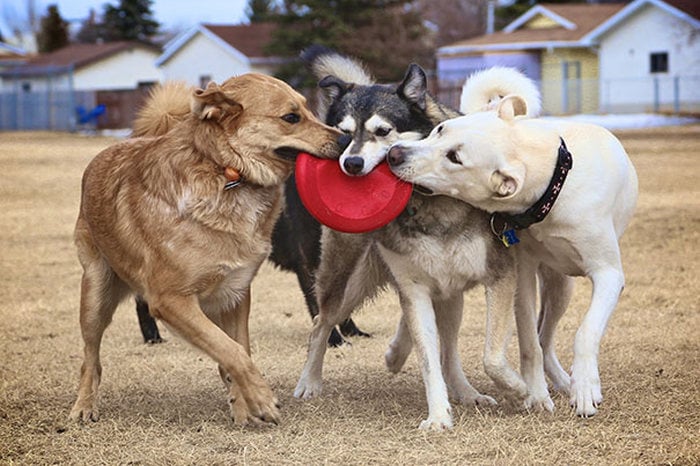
(503, 222)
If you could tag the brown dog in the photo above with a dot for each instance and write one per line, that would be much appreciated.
(185, 220)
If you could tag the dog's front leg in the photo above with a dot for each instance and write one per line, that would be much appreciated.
(586, 393)
(185, 316)
(531, 361)
(418, 310)
(235, 323)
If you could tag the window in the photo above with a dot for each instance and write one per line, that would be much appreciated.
(658, 62)
(204, 80)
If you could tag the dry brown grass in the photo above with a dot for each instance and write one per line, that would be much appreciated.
(165, 404)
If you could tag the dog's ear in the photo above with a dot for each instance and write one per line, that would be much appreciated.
(414, 86)
(511, 106)
(334, 87)
(213, 104)
(505, 182)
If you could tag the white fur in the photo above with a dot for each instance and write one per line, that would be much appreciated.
(430, 281)
(484, 89)
(504, 164)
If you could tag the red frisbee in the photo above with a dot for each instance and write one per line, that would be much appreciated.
(351, 204)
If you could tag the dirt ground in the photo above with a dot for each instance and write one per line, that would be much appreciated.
(165, 404)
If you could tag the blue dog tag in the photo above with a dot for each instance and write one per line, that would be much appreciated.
(509, 238)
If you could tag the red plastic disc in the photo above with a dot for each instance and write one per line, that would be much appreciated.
(352, 204)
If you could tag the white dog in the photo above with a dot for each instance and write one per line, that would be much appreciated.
(569, 218)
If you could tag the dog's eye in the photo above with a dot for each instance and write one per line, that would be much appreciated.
(292, 118)
(438, 130)
(381, 132)
(452, 157)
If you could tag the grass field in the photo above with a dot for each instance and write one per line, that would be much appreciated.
(165, 404)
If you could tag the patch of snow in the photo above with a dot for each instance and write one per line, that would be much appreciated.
(631, 121)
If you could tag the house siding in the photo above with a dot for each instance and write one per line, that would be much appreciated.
(626, 82)
(122, 71)
(576, 92)
(202, 56)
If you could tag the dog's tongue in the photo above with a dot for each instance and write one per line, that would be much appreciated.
(351, 204)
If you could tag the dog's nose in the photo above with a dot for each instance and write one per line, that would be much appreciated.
(353, 165)
(344, 141)
(396, 156)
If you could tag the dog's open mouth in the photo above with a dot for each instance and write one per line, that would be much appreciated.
(423, 190)
(287, 152)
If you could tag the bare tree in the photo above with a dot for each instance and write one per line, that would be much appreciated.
(455, 20)
(24, 25)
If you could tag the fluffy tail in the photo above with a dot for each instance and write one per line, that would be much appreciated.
(484, 89)
(166, 105)
(323, 62)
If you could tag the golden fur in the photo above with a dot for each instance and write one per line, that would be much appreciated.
(155, 219)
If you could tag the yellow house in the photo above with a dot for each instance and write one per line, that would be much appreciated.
(549, 43)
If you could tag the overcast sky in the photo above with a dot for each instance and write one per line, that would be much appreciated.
(170, 13)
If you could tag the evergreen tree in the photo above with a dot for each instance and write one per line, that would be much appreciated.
(54, 31)
(131, 20)
(386, 34)
(90, 29)
(260, 11)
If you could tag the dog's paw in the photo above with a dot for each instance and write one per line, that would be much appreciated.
(307, 389)
(254, 404)
(585, 398)
(586, 393)
(539, 403)
(394, 359)
(561, 383)
(437, 423)
(84, 412)
(475, 399)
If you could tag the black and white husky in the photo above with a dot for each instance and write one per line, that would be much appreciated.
(435, 250)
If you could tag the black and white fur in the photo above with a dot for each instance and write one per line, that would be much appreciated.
(436, 249)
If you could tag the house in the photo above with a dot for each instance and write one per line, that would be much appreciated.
(45, 91)
(11, 56)
(209, 52)
(640, 56)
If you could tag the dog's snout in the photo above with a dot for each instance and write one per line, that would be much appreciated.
(396, 156)
(354, 165)
(344, 141)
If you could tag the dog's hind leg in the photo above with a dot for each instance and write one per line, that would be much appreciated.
(340, 287)
(100, 293)
(531, 359)
(500, 294)
(448, 316)
(586, 393)
(147, 324)
(555, 293)
(399, 348)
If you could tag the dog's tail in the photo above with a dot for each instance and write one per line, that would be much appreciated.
(484, 89)
(323, 62)
(166, 105)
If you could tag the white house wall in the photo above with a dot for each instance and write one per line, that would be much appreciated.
(202, 57)
(122, 71)
(626, 83)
